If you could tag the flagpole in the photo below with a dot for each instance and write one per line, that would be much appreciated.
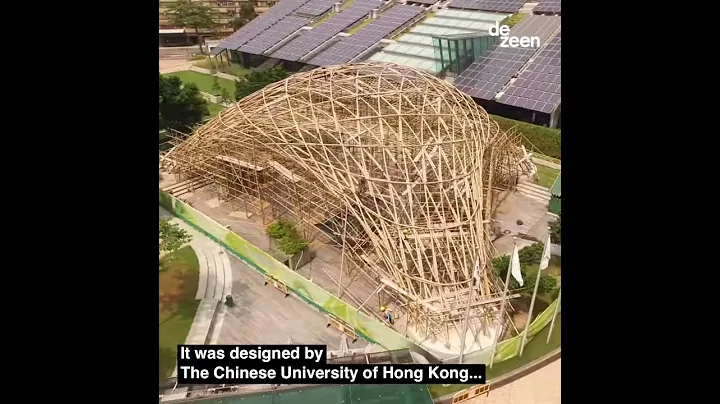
(498, 328)
(523, 341)
(467, 314)
(552, 323)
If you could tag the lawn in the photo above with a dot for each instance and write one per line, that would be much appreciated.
(204, 81)
(214, 109)
(535, 349)
(546, 176)
(554, 266)
(178, 285)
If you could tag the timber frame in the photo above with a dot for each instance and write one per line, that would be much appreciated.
(397, 168)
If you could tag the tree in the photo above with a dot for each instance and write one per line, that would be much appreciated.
(258, 80)
(555, 231)
(191, 14)
(216, 86)
(181, 105)
(172, 236)
(245, 14)
(225, 95)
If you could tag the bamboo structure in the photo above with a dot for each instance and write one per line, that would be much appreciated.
(396, 167)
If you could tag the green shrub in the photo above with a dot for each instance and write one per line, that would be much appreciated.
(547, 283)
(532, 254)
(280, 228)
(291, 245)
(555, 231)
(289, 240)
(500, 264)
(535, 138)
(513, 19)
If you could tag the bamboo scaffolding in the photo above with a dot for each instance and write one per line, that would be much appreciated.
(395, 167)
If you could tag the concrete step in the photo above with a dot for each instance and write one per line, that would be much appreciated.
(212, 278)
(534, 191)
(202, 284)
(540, 199)
(220, 276)
(227, 269)
(201, 324)
(215, 273)
(534, 186)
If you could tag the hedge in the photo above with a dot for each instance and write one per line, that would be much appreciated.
(535, 138)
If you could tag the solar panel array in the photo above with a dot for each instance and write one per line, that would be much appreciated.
(304, 44)
(275, 34)
(501, 6)
(316, 7)
(538, 88)
(260, 23)
(548, 6)
(348, 48)
(489, 74)
(429, 2)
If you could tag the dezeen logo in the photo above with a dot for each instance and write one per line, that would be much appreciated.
(507, 41)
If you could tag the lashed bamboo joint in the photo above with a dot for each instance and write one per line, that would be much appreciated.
(395, 166)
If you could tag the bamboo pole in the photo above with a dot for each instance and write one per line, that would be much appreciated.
(410, 158)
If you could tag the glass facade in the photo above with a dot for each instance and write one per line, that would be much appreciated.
(455, 53)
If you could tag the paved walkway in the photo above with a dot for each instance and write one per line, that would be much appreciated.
(539, 387)
(174, 65)
(262, 314)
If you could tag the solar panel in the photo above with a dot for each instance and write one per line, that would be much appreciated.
(429, 2)
(348, 48)
(541, 26)
(304, 44)
(275, 34)
(260, 23)
(548, 6)
(489, 74)
(501, 6)
(539, 86)
(316, 7)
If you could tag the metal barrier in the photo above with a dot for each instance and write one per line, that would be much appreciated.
(471, 393)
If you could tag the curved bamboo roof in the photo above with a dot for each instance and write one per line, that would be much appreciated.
(401, 158)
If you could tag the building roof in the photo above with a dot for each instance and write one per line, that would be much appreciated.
(555, 190)
(415, 47)
(490, 74)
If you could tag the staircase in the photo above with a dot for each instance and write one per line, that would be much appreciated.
(534, 191)
(183, 187)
